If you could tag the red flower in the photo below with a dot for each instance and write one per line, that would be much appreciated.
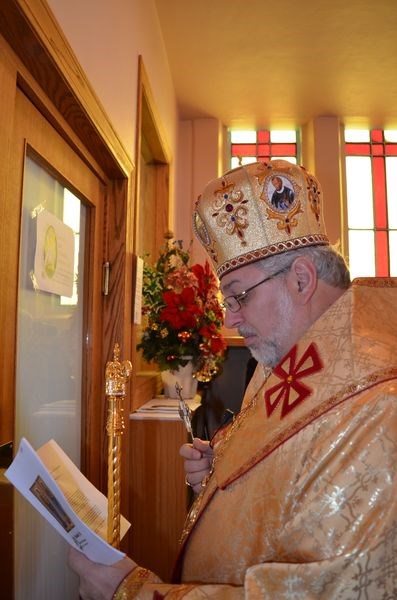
(214, 340)
(205, 277)
(181, 309)
(218, 345)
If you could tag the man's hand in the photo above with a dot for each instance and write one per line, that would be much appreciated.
(198, 461)
(98, 582)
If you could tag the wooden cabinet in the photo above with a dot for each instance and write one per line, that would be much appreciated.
(158, 494)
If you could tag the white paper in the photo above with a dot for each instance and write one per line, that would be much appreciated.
(163, 409)
(138, 291)
(54, 486)
(54, 256)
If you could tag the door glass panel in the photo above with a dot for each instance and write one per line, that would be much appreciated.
(48, 378)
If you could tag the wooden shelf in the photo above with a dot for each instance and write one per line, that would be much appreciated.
(234, 340)
(158, 494)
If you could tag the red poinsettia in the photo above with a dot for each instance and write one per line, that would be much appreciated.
(208, 290)
(206, 279)
(214, 342)
(181, 310)
(183, 315)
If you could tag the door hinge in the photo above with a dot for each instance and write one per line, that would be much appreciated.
(105, 278)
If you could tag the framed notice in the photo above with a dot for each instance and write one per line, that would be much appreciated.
(54, 256)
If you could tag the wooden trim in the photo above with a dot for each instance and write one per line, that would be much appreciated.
(33, 91)
(148, 119)
(7, 254)
(234, 340)
(150, 147)
(117, 305)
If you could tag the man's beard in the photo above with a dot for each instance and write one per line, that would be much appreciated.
(270, 350)
(265, 351)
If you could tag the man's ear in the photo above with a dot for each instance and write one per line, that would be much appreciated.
(302, 279)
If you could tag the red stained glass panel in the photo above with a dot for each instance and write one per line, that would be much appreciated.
(263, 149)
(379, 179)
(243, 149)
(377, 149)
(357, 149)
(377, 135)
(263, 136)
(381, 253)
(283, 149)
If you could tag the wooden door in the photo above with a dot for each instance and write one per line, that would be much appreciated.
(50, 116)
(58, 346)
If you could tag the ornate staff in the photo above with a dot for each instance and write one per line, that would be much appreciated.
(116, 375)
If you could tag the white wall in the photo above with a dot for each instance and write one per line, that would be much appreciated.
(199, 160)
(107, 37)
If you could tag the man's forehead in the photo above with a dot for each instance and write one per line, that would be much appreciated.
(227, 286)
(236, 278)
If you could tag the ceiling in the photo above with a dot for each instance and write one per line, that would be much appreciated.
(280, 63)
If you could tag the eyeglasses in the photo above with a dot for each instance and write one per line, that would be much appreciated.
(233, 303)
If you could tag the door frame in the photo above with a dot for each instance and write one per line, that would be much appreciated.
(151, 149)
(39, 61)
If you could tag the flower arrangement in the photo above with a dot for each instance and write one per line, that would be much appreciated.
(183, 314)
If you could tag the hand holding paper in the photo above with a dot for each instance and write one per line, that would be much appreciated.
(57, 489)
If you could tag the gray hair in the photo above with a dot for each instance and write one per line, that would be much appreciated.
(330, 265)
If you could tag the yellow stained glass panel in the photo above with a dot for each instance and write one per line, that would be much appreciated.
(243, 137)
(390, 135)
(361, 253)
(291, 159)
(283, 136)
(356, 135)
(359, 192)
(245, 160)
(391, 186)
(393, 253)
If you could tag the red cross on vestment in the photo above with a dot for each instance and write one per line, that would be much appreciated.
(291, 389)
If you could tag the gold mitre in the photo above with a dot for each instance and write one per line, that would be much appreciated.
(259, 210)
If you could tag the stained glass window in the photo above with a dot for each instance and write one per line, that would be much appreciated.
(371, 176)
(263, 145)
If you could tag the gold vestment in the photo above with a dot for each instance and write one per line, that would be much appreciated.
(302, 500)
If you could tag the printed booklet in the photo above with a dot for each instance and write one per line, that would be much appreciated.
(53, 484)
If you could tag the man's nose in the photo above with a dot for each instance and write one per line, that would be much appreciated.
(232, 319)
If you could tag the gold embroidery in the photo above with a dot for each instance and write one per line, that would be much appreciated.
(288, 220)
(254, 255)
(314, 194)
(179, 592)
(377, 282)
(344, 394)
(349, 390)
(229, 211)
(132, 584)
(262, 170)
(196, 507)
